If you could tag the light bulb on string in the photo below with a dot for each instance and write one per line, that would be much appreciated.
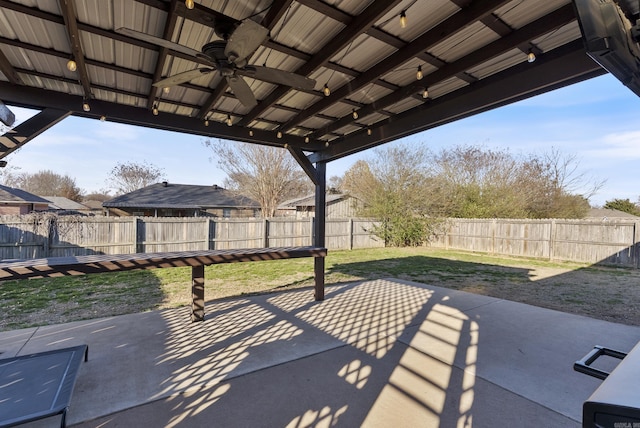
(155, 110)
(326, 90)
(531, 56)
(71, 65)
(425, 93)
(229, 120)
(354, 114)
(403, 19)
(85, 106)
(190, 4)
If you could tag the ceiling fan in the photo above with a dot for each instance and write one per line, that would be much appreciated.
(229, 57)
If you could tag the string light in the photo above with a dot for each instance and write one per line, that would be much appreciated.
(155, 110)
(425, 93)
(531, 57)
(326, 144)
(354, 114)
(103, 118)
(403, 19)
(326, 90)
(86, 106)
(206, 122)
(279, 134)
(368, 131)
(229, 121)
(71, 65)
(190, 4)
(166, 89)
(306, 139)
(250, 133)
(419, 74)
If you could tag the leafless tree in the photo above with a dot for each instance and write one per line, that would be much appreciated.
(268, 175)
(47, 183)
(126, 177)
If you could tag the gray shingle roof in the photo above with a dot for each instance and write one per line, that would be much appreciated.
(182, 196)
(62, 203)
(606, 213)
(11, 195)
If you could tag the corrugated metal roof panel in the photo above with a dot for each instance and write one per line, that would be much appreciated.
(427, 15)
(352, 7)
(497, 64)
(462, 43)
(558, 37)
(518, 13)
(446, 86)
(317, 29)
(362, 53)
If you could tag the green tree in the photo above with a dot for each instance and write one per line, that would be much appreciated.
(623, 205)
(393, 186)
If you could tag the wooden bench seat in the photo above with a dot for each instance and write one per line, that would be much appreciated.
(82, 265)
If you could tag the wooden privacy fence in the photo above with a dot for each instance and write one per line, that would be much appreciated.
(610, 242)
(50, 236)
(605, 242)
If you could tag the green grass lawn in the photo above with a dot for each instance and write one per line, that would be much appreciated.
(53, 300)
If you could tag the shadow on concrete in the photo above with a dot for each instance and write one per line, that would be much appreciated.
(383, 352)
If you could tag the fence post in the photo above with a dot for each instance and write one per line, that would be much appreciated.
(493, 236)
(636, 244)
(350, 233)
(265, 230)
(209, 233)
(311, 219)
(552, 234)
(138, 239)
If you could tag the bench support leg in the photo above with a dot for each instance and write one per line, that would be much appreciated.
(318, 272)
(197, 291)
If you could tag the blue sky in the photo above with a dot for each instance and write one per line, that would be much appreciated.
(597, 121)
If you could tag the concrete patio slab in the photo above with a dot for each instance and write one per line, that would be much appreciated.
(374, 353)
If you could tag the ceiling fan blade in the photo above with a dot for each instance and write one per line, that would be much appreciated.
(242, 91)
(157, 41)
(179, 78)
(279, 77)
(244, 41)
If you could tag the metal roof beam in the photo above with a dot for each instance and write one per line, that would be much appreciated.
(472, 13)
(169, 27)
(356, 27)
(563, 66)
(70, 20)
(7, 69)
(30, 97)
(29, 129)
(550, 22)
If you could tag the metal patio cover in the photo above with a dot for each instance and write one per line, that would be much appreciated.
(473, 55)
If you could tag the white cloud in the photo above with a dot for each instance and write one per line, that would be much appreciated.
(620, 145)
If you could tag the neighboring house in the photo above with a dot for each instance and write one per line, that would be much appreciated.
(16, 202)
(339, 205)
(605, 214)
(182, 200)
(95, 207)
(64, 205)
